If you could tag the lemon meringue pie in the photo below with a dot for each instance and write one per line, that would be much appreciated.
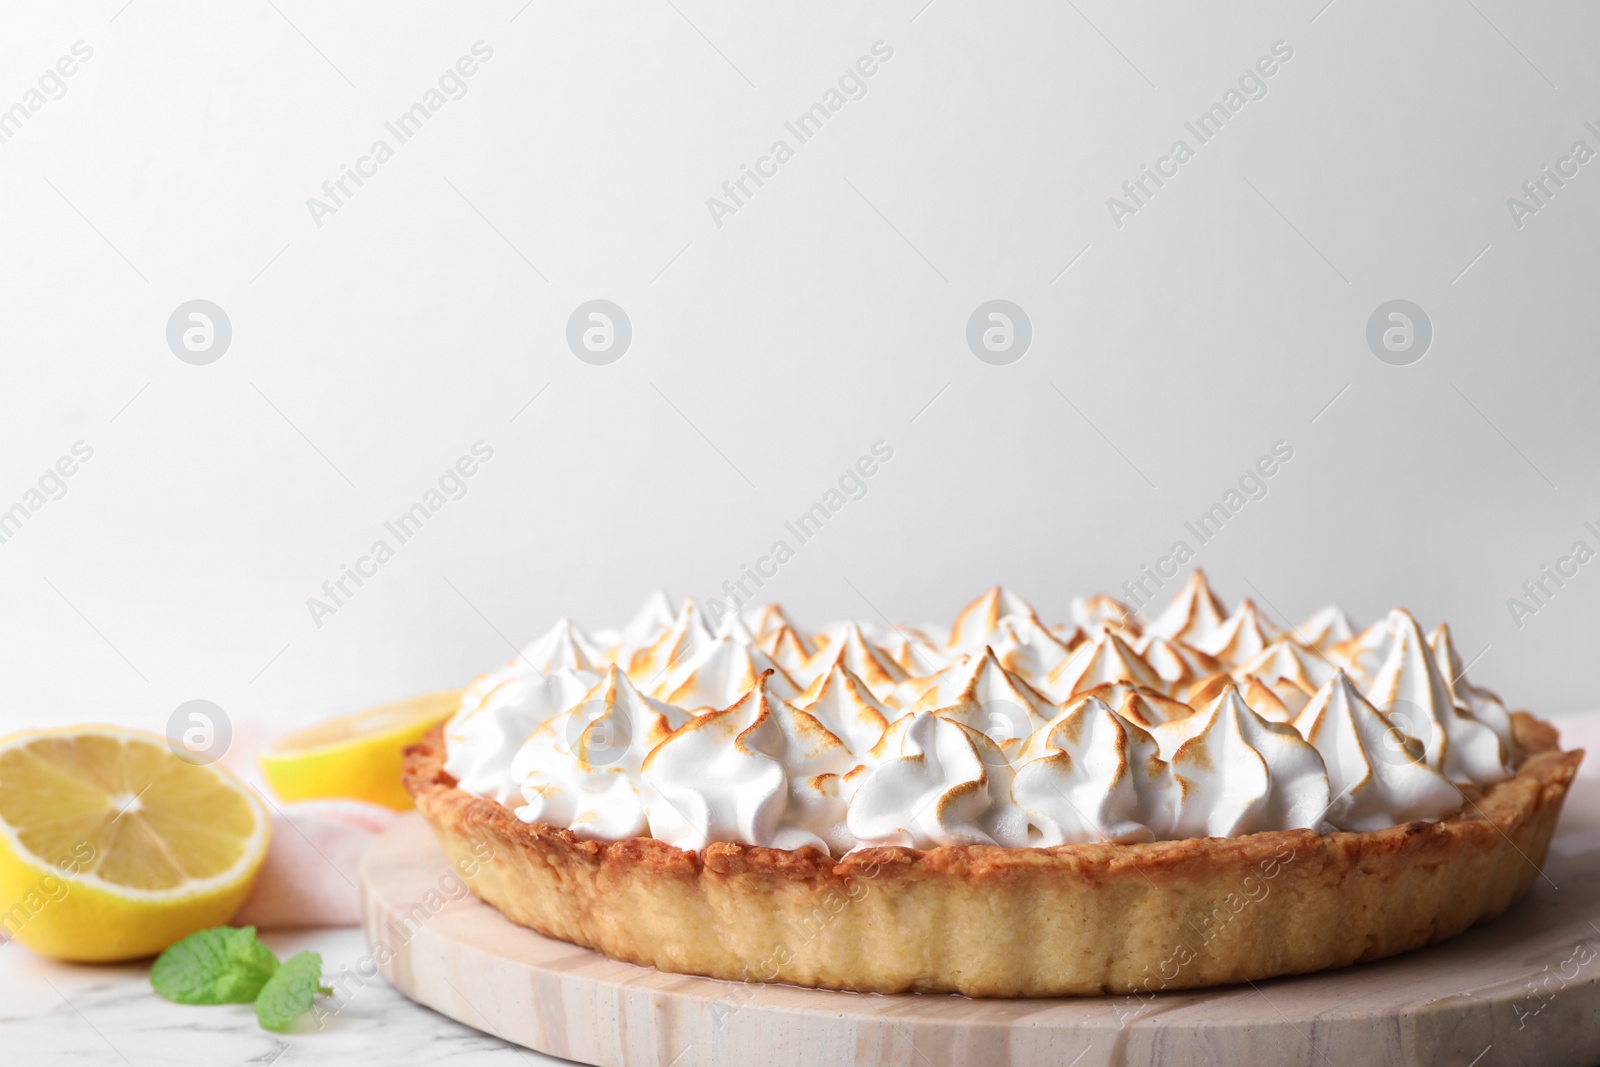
(1000, 808)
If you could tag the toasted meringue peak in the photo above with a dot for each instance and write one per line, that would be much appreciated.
(793, 724)
(1294, 695)
(787, 648)
(915, 651)
(971, 630)
(1361, 656)
(1090, 775)
(1327, 626)
(1107, 658)
(484, 684)
(1285, 658)
(1242, 635)
(734, 627)
(563, 645)
(845, 705)
(1414, 695)
(760, 772)
(611, 727)
(1178, 665)
(1269, 703)
(680, 642)
(989, 698)
(1193, 614)
(1447, 656)
(937, 782)
(653, 619)
(1070, 633)
(1145, 708)
(767, 619)
(850, 649)
(1241, 774)
(1205, 690)
(720, 674)
(835, 632)
(1026, 648)
(1379, 776)
(1484, 705)
(581, 768)
(1101, 612)
(483, 736)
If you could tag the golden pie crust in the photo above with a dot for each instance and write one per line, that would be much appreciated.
(1014, 922)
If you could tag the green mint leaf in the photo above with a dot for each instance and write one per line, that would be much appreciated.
(289, 993)
(223, 965)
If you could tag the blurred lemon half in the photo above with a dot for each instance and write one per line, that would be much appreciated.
(355, 756)
(113, 847)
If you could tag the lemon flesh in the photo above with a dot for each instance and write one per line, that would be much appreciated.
(112, 847)
(356, 756)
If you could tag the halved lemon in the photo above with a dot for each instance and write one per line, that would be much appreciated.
(355, 755)
(113, 847)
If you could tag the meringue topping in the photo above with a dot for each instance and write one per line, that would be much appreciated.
(975, 622)
(1305, 667)
(1484, 705)
(1378, 775)
(483, 736)
(1327, 626)
(768, 619)
(937, 782)
(1194, 614)
(1003, 730)
(845, 705)
(787, 649)
(989, 698)
(1091, 775)
(915, 651)
(1277, 703)
(580, 769)
(1242, 774)
(851, 650)
(1026, 648)
(734, 629)
(761, 772)
(1363, 654)
(1412, 693)
(652, 619)
(564, 645)
(1178, 664)
(1240, 636)
(1100, 612)
(720, 674)
(1143, 707)
(687, 636)
(1105, 659)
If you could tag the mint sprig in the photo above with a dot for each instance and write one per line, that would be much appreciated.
(289, 993)
(229, 965)
(223, 965)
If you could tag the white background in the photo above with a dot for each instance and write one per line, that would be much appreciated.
(769, 353)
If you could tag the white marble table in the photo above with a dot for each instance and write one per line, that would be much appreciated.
(54, 1013)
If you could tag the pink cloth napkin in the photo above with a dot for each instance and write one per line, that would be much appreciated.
(309, 877)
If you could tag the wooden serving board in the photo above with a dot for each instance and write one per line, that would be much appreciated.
(1524, 989)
